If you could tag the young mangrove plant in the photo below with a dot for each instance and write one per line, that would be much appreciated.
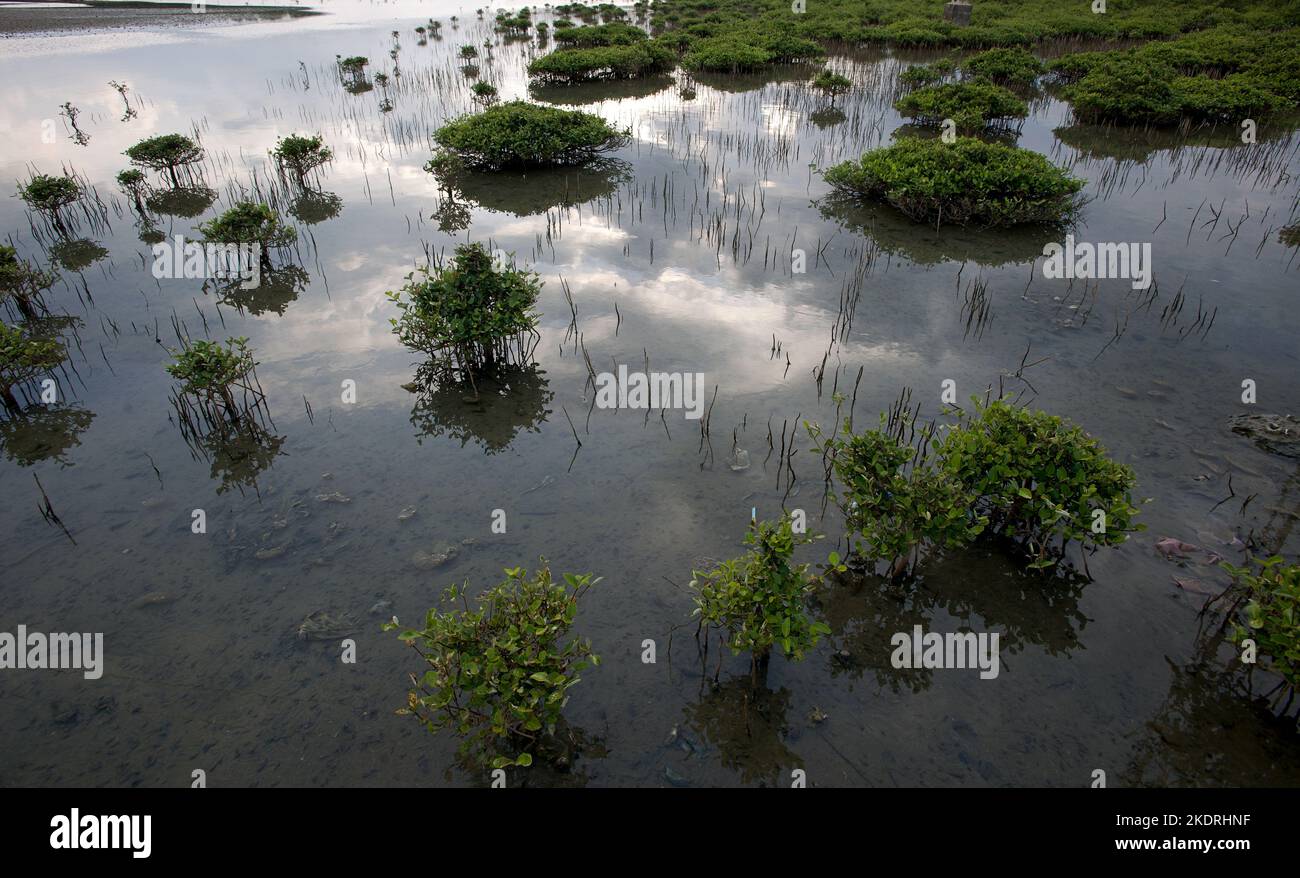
(964, 182)
(352, 70)
(50, 195)
(211, 376)
(471, 314)
(498, 673)
(1022, 475)
(250, 223)
(22, 283)
(22, 358)
(300, 156)
(521, 135)
(134, 184)
(1270, 591)
(484, 93)
(166, 152)
(759, 599)
(1014, 67)
(624, 61)
(832, 84)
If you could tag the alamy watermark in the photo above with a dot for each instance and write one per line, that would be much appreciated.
(179, 258)
(654, 390)
(36, 651)
(940, 651)
(1098, 261)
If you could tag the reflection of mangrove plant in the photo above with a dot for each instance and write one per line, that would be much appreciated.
(470, 314)
(510, 399)
(50, 195)
(967, 181)
(77, 255)
(22, 283)
(237, 456)
(276, 289)
(749, 726)
(312, 207)
(498, 674)
(23, 357)
(301, 155)
(759, 599)
(44, 433)
(518, 134)
(529, 193)
(166, 152)
(185, 202)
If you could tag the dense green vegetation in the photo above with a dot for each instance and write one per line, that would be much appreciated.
(518, 134)
(588, 37)
(967, 181)
(1270, 590)
(22, 283)
(498, 674)
(166, 152)
(629, 61)
(22, 358)
(50, 194)
(1002, 469)
(759, 599)
(301, 155)
(972, 106)
(1013, 66)
(248, 222)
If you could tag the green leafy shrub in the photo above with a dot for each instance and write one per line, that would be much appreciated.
(50, 194)
(468, 51)
(724, 55)
(518, 134)
(301, 155)
(1271, 589)
(22, 358)
(249, 223)
(927, 74)
(967, 181)
(208, 368)
(832, 84)
(484, 92)
(498, 674)
(166, 152)
(607, 62)
(22, 283)
(894, 509)
(759, 599)
(1073, 67)
(972, 106)
(1039, 478)
(469, 308)
(1230, 99)
(586, 37)
(1008, 66)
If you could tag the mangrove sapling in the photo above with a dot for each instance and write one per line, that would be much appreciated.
(301, 155)
(759, 599)
(250, 223)
(166, 152)
(469, 315)
(22, 358)
(22, 283)
(832, 84)
(498, 674)
(971, 106)
(1039, 478)
(352, 70)
(895, 503)
(50, 195)
(210, 374)
(1014, 67)
(1270, 590)
(484, 93)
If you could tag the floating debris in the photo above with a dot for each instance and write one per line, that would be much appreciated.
(324, 625)
(406, 513)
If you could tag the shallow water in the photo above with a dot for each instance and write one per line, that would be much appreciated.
(681, 256)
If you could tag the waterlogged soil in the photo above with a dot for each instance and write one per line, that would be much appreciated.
(680, 254)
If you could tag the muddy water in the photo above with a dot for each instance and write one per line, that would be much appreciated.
(680, 254)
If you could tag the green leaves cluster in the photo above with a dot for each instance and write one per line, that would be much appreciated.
(208, 367)
(1023, 474)
(759, 599)
(1271, 588)
(21, 281)
(604, 62)
(967, 181)
(498, 674)
(23, 357)
(165, 152)
(590, 36)
(892, 508)
(249, 222)
(832, 83)
(973, 105)
(748, 48)
(50, 194)
(1011, 66)
(518, 134)
(301, 155)
(465, 306)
